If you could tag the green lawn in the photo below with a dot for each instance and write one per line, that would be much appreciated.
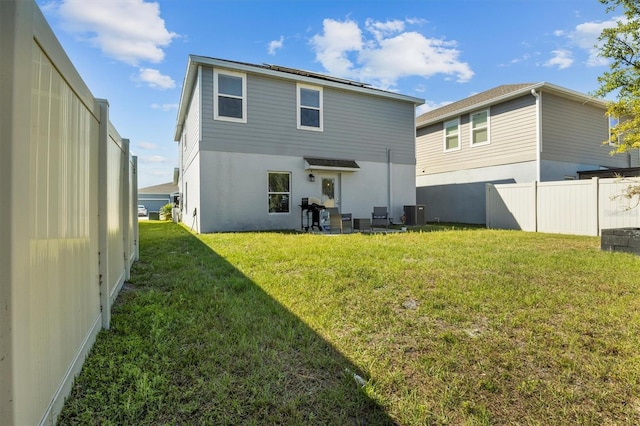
(451, 327)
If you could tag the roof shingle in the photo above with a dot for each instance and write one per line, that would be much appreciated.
(164, 188)
(496, 92)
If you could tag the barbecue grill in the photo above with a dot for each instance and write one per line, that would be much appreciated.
(310, 206)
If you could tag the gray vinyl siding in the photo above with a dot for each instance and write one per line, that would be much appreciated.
(192, 124)
(356, 126)
(512, 140)
(428, 148)
(567, 124)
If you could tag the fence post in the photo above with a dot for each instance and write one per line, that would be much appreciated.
(16, 42)
(595, 182)
(125, 197)
(535, 205)
(103, 189)
(136, 232)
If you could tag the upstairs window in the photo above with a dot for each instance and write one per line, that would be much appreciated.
(279, 192)
(230, 102)
(452, 135)
(480, 128)
(309, 107)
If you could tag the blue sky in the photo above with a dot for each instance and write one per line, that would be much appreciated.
(134, 52)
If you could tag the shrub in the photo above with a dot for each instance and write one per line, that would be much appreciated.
(165, 211)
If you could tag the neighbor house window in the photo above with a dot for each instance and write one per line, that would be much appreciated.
(613, 122)
(452, 135)
(480, 128)
(309, 107)
(230, 99)
(279, 192)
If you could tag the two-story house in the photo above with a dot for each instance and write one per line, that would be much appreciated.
(255, 140)
(509, 134)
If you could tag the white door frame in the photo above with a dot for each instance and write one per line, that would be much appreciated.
(323, 177)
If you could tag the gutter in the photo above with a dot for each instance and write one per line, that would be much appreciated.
(311, 77)
(561, 91)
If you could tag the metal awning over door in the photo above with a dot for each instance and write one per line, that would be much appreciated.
(332, 164)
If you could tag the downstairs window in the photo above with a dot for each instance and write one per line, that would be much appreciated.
(279, 192)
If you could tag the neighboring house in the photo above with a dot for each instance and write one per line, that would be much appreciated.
(510, 134)
(256, 139)
(154, 197)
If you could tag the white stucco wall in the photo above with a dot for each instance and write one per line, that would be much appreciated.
(517, 172)
(190, 189)
(559, 170)
(233, 191)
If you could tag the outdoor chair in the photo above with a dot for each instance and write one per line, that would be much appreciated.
(339, 221)
(380, 217)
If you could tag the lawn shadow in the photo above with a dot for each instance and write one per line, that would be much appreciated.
(195, 341)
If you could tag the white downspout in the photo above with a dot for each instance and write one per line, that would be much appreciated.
(389, 189)
(538, 97)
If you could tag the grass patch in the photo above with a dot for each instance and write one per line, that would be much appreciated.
(454, 327)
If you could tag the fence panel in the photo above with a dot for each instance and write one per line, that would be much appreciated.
(568, 207)
(617, 211)
(116, 166)
(583, 207)
(509, 206)
(62, 307)
(52, 262)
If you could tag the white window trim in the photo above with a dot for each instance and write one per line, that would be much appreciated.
(243, 97)
(298, 106)
(471, 129)
(444, 136)
(275, 192)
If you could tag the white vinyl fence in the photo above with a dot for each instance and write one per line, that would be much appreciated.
(68, 223)
(580, 207)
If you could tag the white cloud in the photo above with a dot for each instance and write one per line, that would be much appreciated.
(562, 59)
(160, 172)
(416, 21)
(332, 47)
(148, 146)
(420, 88)
(130, 31)
(164, 107)
(523, 58)
(275, 45)
(585, 37)
(412, 54)
(389, 53)
(153, 78)
(154, 159)
(428, 106)
(384, 29)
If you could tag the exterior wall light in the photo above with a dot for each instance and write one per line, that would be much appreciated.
(312, 178)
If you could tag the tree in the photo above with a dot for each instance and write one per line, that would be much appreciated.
(621, 45)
